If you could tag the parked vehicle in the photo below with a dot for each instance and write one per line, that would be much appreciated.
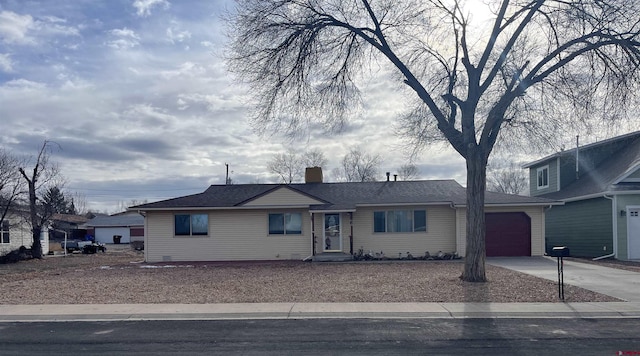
(83, 246)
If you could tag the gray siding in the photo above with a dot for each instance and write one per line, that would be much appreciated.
(553, 178)
(634, 175)
(583, 226)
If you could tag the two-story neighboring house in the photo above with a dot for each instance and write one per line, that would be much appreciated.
(601, 193)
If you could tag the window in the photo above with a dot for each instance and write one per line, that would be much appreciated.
(191, 224)
(285, 224)
(4, 233)
(400, 221)
(543, 177)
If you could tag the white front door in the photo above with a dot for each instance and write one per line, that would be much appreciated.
(633, 232)
(332, 233)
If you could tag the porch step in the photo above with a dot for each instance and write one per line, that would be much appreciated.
(332, 257)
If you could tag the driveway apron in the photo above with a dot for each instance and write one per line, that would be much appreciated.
(614, 282)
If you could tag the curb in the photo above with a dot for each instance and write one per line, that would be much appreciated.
(294, 311)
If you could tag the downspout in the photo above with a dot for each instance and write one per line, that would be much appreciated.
(614, 207)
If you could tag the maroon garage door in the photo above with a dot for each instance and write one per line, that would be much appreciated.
(508, 234)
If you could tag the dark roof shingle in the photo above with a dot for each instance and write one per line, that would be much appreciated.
(342, 196)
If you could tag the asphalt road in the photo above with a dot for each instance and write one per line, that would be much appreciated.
(326, 336)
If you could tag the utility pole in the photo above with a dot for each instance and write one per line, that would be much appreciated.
(226, 181)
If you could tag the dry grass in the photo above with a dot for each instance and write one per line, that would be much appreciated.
(121, 277)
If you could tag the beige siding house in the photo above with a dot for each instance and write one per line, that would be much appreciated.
(14, 232)
(315, 219)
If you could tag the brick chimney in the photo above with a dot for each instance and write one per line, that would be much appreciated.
(313, 175)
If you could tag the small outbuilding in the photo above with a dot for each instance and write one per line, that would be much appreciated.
(118, 228)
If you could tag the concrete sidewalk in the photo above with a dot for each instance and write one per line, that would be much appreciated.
(134, 312)
(618, 283)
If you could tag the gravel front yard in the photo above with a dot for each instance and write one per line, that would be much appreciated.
(120, 277)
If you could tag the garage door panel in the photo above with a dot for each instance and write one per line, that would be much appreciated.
(508, 234)
(105, 234)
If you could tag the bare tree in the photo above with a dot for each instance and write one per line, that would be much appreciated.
(11, 184)
(358, 166)
(534, 67)
(510, 179)
(408, 171)
(44, 172)
(290, 166)
(314, 158)
(80, 202)
(286, 165)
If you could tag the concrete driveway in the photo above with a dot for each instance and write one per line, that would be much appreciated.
(614, 282)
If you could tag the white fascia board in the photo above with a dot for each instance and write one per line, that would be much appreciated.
(515, 204)
(254, 207)
(331, 211)
(541, 160)
(600, 195)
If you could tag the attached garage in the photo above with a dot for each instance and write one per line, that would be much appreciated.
(508, 234)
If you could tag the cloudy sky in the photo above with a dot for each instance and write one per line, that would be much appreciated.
(136, 95)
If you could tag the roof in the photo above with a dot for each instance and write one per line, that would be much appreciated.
(342, 196)
(604, 178)
(116, 221)
(595, 145)
(69, 218)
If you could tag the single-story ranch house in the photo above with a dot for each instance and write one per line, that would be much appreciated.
(299, 221)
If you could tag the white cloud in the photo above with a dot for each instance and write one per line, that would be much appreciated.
(14, 27)
(124, 38)
(147, 110)
(55, 26)
(186, 69)
(143, 7)
(25, 84)
(25, 30)
(6, 65)
(175, 35)
(213, 102)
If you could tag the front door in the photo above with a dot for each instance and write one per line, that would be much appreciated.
(332, 233)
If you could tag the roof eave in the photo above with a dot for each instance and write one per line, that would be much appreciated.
(499, 205)
(542, 160)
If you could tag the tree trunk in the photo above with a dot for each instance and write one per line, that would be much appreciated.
(474, 263)
(36, 246)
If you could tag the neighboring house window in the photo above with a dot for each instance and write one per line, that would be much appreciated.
(285, 224)
(400, 221)
(191, 224)
(543, 177)
(4, 233)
